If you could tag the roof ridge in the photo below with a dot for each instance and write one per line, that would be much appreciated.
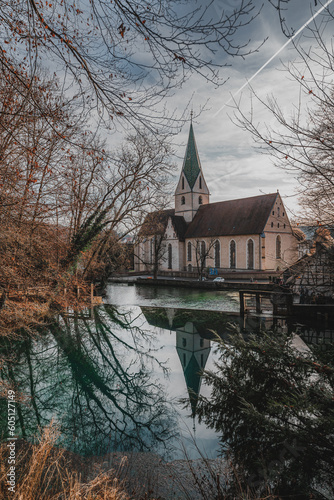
(237, 199)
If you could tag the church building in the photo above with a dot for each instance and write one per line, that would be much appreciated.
(244, 234)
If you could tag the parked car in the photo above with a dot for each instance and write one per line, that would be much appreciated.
(219, 278)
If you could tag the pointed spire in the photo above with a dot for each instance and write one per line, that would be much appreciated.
(191, 163)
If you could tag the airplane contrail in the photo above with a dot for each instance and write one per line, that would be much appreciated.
(276, 53)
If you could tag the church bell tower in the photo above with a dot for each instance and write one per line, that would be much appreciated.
(191, 191)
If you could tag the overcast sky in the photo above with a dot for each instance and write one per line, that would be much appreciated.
(232, 166)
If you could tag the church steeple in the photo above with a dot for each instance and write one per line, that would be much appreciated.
(191, 163)
(191, 191)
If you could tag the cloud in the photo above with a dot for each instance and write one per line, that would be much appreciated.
(232, 165)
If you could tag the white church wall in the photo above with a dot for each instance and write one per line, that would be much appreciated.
(278, 220)
(241, 251)
(172, 240)
(288, 254)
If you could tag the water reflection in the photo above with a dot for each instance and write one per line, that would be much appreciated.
(95, 377)
(113, 377)
(193, 352)
(210, 323)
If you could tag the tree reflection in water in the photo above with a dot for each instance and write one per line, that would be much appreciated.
(94, 374)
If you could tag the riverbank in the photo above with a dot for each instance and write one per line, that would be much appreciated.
(196, 284)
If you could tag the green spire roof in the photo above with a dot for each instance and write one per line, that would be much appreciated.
(191, 164)
(192, 374)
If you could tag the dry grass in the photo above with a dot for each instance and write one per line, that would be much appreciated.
(45, 472)
(28, 312)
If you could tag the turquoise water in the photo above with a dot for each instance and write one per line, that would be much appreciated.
(114, 378)
(181, 298)
(126, 375)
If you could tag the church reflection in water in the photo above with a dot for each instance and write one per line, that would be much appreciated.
(193, 351)
(102, 376)
(195, 331)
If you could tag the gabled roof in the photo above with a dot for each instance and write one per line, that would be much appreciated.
(191, 163)
(156, 222)
(234, 217)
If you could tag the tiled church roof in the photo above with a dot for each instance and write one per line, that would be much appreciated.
(235, 217)
(191, 163)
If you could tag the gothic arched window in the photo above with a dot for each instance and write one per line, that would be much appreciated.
(183, 200)
(233, 249)
(203, 253)
(200, 201)
(170, 256)
(189, 251)
(278, 247)
(200, 182)
(182, 182)
(217, 254)
(250, 254)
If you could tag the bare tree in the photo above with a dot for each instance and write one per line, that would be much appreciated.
(303, 144)
(134, 182)
(203, 251)
(94, 45)
(63, 206)
(153, 231)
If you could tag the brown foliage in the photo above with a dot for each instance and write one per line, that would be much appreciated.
(46, 472)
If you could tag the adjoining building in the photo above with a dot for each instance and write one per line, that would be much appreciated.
(244, 234)
(312, 276)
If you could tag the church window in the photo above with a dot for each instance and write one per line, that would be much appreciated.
(284, 226)
(217, 254)
(278, 211)
(273, 212)
(283, 214)
(183, 200)
(203, 253)
(278, 247)
(200, 201)
(189, 256)
(250, 254)
(200, 182)
(277, 224)
(170, 256)
(182, 182)
(272, 224)
(232, 254)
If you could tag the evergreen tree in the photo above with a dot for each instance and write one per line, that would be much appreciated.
(273, 406)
